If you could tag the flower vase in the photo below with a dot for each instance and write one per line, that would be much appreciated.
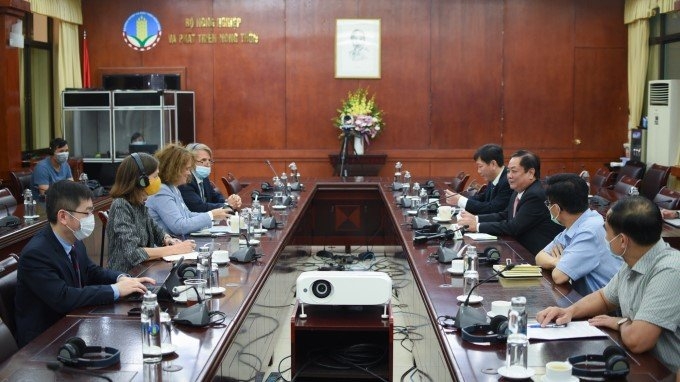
(359, 145)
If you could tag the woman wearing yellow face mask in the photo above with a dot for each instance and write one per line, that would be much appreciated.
(133, 235)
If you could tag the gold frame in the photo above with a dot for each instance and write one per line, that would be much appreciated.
(357, 48)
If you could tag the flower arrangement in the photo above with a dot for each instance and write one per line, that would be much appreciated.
(362, 114)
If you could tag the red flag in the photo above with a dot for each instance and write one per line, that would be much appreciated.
(86, 63)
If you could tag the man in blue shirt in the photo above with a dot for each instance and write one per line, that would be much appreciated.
(51, 169)
(579, 253)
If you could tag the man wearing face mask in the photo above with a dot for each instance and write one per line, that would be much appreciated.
(55, 274)
(51, 169)
(644, 288)
(199, 194)
(579, 253)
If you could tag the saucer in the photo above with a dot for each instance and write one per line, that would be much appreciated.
(215, 290)
(168, 348)
(438, 220)
(279, 207)
(516, 373)
(544, 378)
(181, 297)
(411, 212)
(260, 230)
(473, 299)
(492, 315)
(31, 216)
(251, 241)
(457, 273)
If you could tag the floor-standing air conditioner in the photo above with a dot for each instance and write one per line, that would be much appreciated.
(663, 125)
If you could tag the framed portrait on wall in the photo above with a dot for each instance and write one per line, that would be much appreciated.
(357, 48)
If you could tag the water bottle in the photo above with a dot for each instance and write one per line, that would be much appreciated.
(416, 189)
(257, 215)
(407, 182)
(470, 281)
(284, 181)
(29, 203)
(470, 259)
(278, 191)
(518, 342)
(423, 196)
(204, 264)
(151, 329)
(83, 178)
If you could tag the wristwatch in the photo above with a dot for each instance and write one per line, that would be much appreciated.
(621, 322)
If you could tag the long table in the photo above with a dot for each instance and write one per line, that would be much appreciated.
(257, 292)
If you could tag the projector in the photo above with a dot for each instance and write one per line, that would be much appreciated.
(343, 288)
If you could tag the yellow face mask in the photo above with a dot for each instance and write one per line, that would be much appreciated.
(153, 187)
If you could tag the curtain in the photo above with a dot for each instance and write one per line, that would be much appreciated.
(66, 10)
(638, 53)
(67, 66)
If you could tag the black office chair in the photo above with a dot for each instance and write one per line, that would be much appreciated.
(655, 177)
(20, 180)
(8, 286)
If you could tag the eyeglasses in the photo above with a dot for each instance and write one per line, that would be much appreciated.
(206, 162)
(88, 213)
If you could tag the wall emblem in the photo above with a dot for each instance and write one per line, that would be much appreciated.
(142, 31)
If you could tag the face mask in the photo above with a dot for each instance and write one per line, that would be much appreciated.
(609, 246)
(62, 157)
(138, 143)
(86, 227)
(202, 172)
(554, 218)
(153, 187)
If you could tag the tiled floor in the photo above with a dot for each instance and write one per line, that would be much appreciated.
(402, 358)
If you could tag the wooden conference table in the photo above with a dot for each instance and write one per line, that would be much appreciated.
(258, 297)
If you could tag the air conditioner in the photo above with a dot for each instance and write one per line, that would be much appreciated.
(663, 122)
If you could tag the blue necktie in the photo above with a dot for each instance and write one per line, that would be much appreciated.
(76, 267)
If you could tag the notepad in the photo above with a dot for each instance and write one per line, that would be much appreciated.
(480, 236)
(574, 329)
(187, 256)
(520, 271)
(673, 222)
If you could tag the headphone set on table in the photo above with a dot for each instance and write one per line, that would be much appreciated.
(73, 352)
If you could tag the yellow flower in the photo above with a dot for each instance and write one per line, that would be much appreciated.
(360, 114)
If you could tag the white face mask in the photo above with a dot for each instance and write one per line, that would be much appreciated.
(61, 157)
(86, 227)
(609, 246)
(554, 218)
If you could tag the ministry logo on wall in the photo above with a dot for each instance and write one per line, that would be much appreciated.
(142, 31)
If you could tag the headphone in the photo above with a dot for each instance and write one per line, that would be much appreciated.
(143, 179)
(71, 354)
(187, 271)
(495, 332)
(431, 229)
(491, 255)
(266, 186)
(613, 363)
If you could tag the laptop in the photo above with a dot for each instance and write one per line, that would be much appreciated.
(163, 291)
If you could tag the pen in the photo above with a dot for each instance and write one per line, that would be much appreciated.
(548, 326)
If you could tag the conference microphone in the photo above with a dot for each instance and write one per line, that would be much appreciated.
(420, 223)
(467, 315)
(9, 220)
(271, 167)
(446, 235)
(56, 366)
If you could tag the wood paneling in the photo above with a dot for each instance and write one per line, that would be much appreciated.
(455, 74)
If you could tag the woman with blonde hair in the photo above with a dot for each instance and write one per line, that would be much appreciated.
(167, 207)
(133, 235)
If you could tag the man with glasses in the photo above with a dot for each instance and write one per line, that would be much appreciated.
(579, 253)
(55, 274)
(198, 193)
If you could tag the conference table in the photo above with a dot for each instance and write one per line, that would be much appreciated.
(258, 299)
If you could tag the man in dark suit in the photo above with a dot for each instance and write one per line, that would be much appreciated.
(198, 193)
(55, 275)
(491, 166)
(526, 217)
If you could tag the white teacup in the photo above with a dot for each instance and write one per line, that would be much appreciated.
(557, 371)
(444, 212)
(220, 256)
(457, 266)
(236, 222)
(500, 308)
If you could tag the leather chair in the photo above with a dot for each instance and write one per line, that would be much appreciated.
(20, 180)
(104, 217)
(667, 198)
(635, 171)
(8, 286)
(603, 178)
(458, 183)
(8, 202)
(655, 178)
(232, 184)
(9, 345)
(622, 188)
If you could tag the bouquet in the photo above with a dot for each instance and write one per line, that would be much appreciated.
(360, 115)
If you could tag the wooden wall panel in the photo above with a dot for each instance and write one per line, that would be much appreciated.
(455, 74)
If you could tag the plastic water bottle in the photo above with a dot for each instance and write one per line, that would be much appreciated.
(470, 259)
(83, 178)
(423, 196)
(257, 215)
(29, 203)
(470, 280)
(204, 264)
(151, 329)
(407, 182)
(518, 342)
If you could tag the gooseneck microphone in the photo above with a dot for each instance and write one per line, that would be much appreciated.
(446, 235)
(9, 220)
(56, 366)
(468, 316)
(271, 167)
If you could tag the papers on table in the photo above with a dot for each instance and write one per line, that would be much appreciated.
(520, 271)
(187, 256)
(574, 329)
(480, 236)
(673, 222)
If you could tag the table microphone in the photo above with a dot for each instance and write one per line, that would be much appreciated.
(420, 223)
(56, 366)
(9, 220)
(467, 315)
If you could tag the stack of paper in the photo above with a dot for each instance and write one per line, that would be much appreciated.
(480, 236)
(522, 270)
(574, 329)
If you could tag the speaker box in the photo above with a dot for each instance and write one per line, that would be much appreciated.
(343, 288)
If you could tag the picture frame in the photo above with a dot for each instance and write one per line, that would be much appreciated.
(357, 48)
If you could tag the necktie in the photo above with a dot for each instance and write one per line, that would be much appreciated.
(201, 190)
(514, 207)
(489, 192)
(76, 267)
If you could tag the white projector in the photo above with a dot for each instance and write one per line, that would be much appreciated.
(343, 288)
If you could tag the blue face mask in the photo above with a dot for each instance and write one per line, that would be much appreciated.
(202, 172)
